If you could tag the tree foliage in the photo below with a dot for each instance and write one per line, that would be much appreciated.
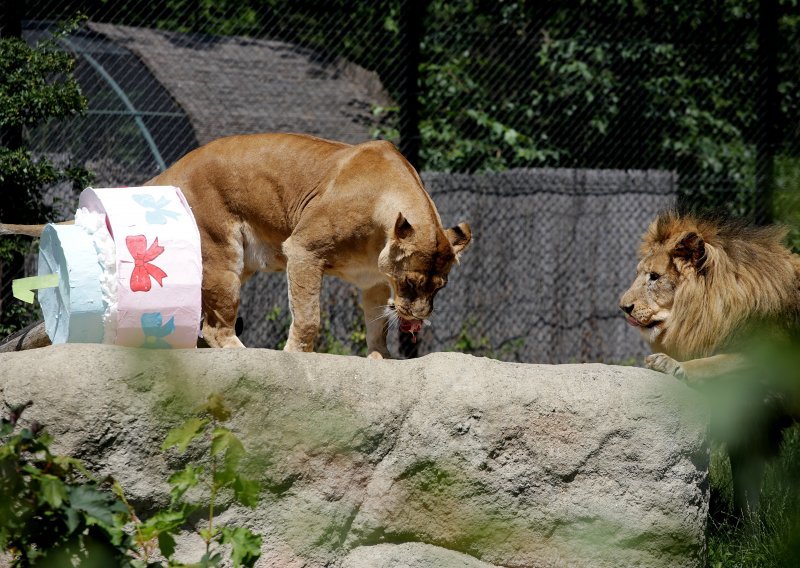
(515, 83)
(52, 512)
(36, 86)
(598, 84)
(542, 81)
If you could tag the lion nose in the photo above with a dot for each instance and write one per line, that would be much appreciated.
(627, 309)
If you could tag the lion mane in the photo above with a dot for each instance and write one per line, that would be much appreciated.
(738, 274)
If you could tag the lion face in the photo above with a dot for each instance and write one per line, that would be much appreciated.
(417, 267)
(670, 257)
(648, 302)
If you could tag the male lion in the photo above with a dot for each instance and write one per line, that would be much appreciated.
(703, 289)
(309, 207)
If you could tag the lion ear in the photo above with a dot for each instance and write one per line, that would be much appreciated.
(402, 228)
(459, 237)
(690, 248)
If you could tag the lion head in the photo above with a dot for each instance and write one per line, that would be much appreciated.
(416, 262)
(698, 280)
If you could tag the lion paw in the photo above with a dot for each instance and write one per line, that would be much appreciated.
(378, 355)
(665, 364)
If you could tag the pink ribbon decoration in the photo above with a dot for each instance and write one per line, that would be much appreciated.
(143, 270)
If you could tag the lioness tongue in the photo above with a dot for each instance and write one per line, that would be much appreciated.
(410, 326)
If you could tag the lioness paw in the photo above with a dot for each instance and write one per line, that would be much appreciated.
(665, 364)
(378, 355)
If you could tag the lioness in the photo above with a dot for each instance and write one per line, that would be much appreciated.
(702, 289)
(308, 206)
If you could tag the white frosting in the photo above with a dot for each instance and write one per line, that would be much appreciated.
(95, 224)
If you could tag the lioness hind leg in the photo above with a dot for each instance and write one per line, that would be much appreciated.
(220, 304)
(375, 300)
(304, 275)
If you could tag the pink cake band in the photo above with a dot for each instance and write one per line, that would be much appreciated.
(159, 265)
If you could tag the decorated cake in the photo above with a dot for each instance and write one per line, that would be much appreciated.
(130, 270)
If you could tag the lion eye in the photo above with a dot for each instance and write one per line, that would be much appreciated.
(654, 276)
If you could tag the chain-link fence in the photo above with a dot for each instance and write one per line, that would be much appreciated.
(557, 129)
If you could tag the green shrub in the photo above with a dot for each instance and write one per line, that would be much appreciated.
(53, 512)
(37, 85)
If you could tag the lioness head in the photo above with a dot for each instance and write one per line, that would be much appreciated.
(416, 262)
(673, 253)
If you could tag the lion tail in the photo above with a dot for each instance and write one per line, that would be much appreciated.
(29, 230)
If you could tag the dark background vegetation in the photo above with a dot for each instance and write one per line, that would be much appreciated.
(708, 89)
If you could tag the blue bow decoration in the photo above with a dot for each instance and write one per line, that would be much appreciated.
(154, 331)
(157, 215)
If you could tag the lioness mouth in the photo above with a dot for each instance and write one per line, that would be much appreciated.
(411, 326)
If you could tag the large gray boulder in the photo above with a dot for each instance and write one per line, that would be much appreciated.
(447, 460)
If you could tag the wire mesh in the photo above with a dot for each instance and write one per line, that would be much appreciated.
(512, 86)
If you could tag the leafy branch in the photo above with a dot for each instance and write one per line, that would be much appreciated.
(52, 509)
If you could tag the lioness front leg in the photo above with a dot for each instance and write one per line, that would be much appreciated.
(375, 300)
(304, 274)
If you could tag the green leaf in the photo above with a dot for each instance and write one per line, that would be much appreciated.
(246, 491)
(223, 439)
(225, 475)
(245, 545)
(166, 544)
(73, 519)
(183, 435)
(183, 480)
(208, 561)
(67, 463)
(163, 522)
(98, 506)
(52, 490)
(510, 136)
(208, 534)
(217, 408)
(117, 490)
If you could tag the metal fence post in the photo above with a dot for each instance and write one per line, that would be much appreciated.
(768, 109)
(412, 14)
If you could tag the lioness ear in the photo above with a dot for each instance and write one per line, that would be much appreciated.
(690, 248)
(402, 228)
(459, 237)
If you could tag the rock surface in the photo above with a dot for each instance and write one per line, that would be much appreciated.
(447, 460)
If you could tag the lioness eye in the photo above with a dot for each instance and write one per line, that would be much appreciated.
(654, 276)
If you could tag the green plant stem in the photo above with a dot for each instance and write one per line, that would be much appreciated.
(213, 494)
(137, 525)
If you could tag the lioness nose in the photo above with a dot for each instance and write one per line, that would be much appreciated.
(626, 309)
